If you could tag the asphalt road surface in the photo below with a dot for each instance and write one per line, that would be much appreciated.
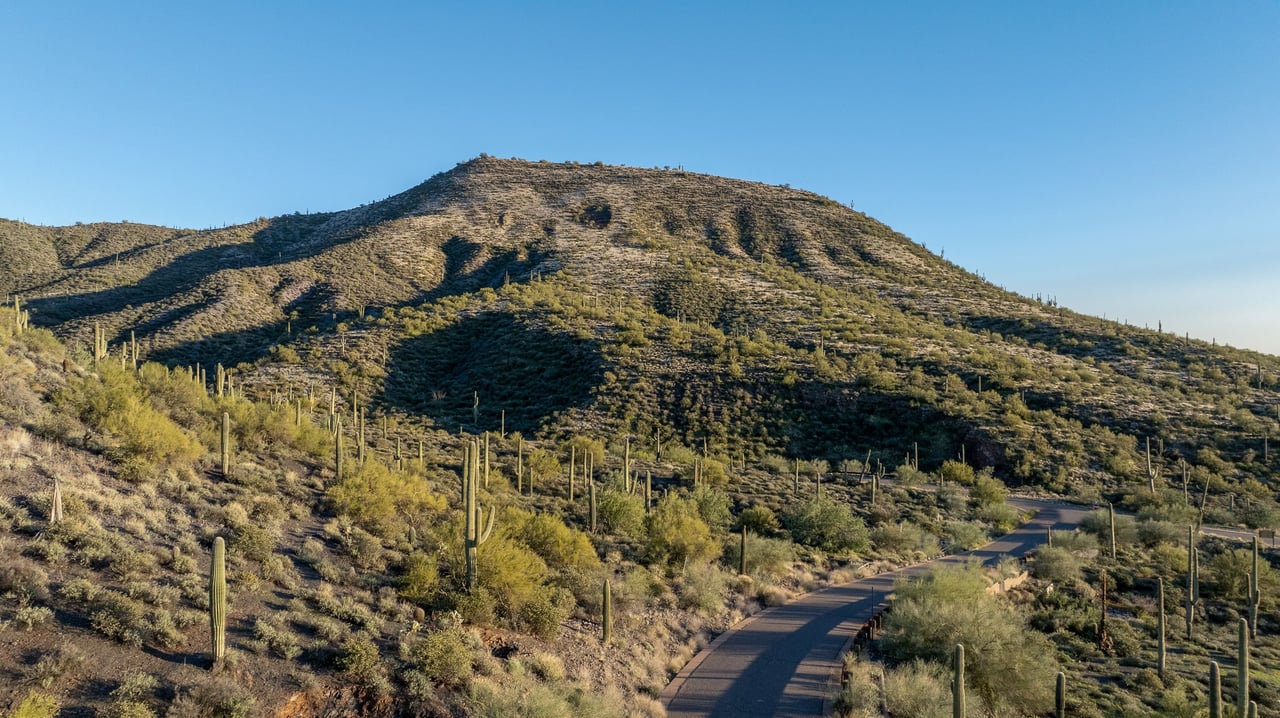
(785, 661)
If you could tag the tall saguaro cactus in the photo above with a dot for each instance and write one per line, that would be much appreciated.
(226, 445)
(337, 447)
(1255, 593)
(1160, 652)
(218, 600)
(591, 502)
(606, 613)
(1242, 667)
(1193, 580)
(1215, 691)
(957, 682)
(477, 531)
(1060, 696)
(1111, 515)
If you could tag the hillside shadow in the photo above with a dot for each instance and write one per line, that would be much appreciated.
(226, 348)
(516, 366)
(847, 420)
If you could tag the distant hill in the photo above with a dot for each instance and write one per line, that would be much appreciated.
(751, 318)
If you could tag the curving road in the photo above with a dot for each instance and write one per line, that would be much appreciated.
(785, 661)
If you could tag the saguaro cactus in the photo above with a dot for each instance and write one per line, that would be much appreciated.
(1111, 514)
(957, 682)
(477, 531)
(1242, 666)
(337, 447)
(606, 613)
(218, 600)
(1193, 580)
(1160, 651)
(591, 502)
(742, 553)
(226, 445)
(55, 506)
(1255, 593)
(1215, 691)
(1060, 697)
(360, 443)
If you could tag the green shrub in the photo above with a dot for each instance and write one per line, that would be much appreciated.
(1053, 563)
(545, 611)
(904, 539)
(561, 547)
(767, 558)
(988, 490)
(1008, 664)
(113, 403)
(956, 471)
(36, 705)
(216, 696)
(620, 512)
(421, 578)
(443, 656)
(919, 690)
(713, 507)
(702, 587)
(360, 661)
(759, 520)
(677, 534)
(825, 524)
(383, 501)
(961, 536)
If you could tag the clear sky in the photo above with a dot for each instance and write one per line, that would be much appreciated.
(1123, 157)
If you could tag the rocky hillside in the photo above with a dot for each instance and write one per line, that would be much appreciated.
(750, 318)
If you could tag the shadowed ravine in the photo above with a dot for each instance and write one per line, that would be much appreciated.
(785, 661)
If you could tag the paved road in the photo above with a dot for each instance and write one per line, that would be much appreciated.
(785, 661)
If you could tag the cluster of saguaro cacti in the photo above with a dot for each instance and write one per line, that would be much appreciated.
(21, 317)
(99, 343)
(476, 529)
(957, 682)
(218, 600)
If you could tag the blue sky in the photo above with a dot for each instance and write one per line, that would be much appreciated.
(1121, 156)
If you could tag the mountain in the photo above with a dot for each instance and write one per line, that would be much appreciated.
(716, 355)
(752, 318)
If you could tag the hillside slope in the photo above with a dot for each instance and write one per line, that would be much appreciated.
(748, 318)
